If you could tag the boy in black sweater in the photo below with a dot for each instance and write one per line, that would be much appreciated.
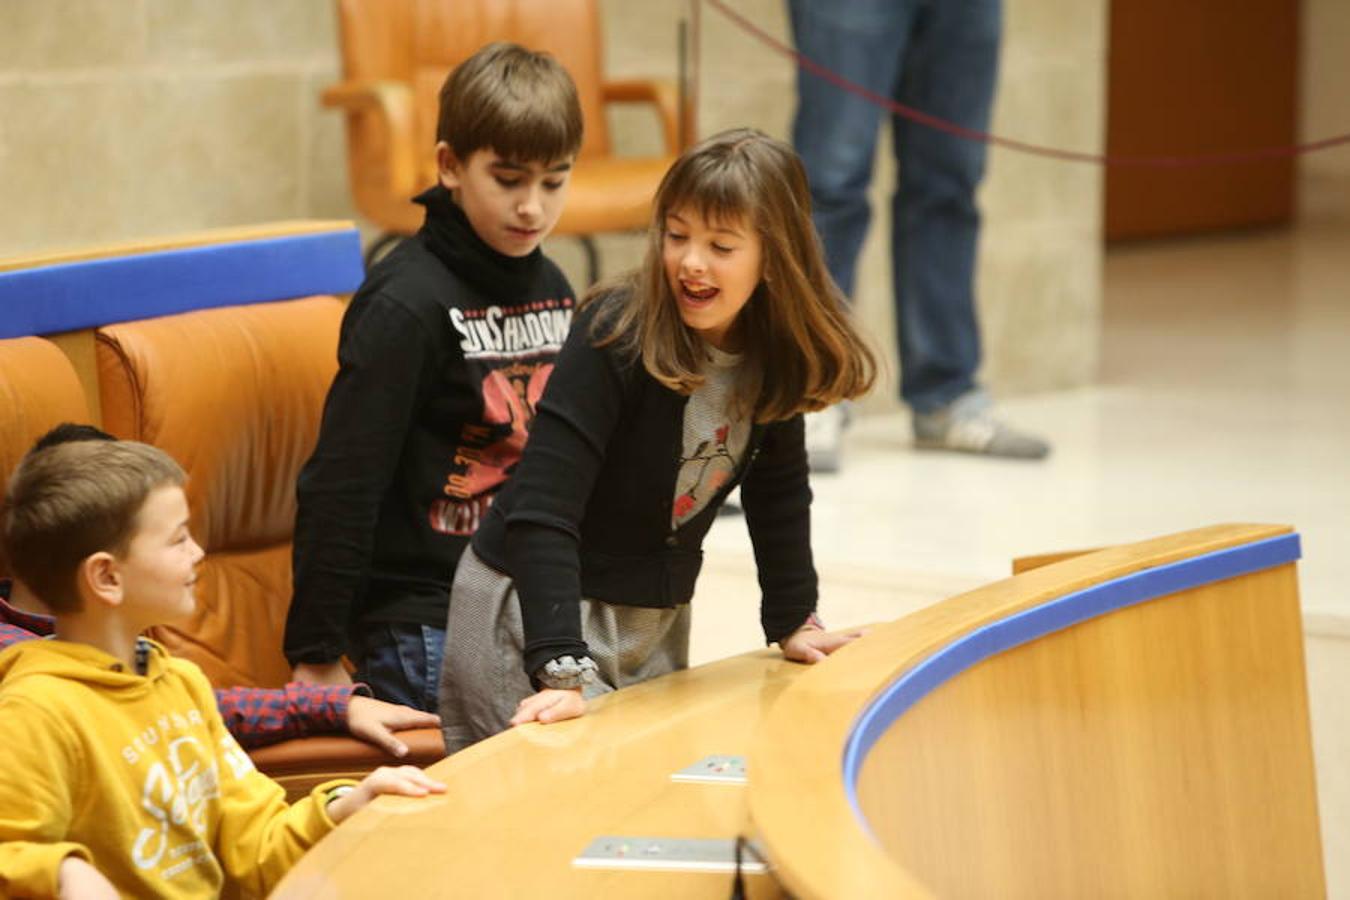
(443, 355)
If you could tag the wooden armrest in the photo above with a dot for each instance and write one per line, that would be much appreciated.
(661, 93)
(391, 103)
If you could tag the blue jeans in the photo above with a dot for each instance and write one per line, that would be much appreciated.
(402, 663)
(941, 57)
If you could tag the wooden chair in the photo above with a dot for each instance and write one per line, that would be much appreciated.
(397, 53)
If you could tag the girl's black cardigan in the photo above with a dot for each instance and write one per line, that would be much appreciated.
(588, 511)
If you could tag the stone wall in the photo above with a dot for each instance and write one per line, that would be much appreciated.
(131, 118)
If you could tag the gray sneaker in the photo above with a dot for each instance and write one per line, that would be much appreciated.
(825, 437)
(968, 425)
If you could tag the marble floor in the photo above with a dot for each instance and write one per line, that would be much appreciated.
(1224, 397)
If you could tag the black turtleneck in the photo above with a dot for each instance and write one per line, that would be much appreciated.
(443, 354)
(449, 235)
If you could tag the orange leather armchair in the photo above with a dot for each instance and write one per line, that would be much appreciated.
(396, 54)
(235, 395)
(38, 391)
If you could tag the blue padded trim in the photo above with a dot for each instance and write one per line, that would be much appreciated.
(70, 296)
(1049, 617)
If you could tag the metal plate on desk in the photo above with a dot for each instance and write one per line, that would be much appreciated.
(715, 769)
(686, 854)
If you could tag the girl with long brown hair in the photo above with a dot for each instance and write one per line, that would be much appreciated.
(678, 382)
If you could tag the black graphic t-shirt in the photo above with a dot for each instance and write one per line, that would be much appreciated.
(443, 356)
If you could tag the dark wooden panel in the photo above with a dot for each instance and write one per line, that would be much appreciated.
(1200, 76)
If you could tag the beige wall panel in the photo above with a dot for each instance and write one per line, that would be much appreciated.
(48, 35)
(252, 31)
(132, 118)
(324, 172)
(72, 165)
(100, 160)
(1038, 332)
(220, 150)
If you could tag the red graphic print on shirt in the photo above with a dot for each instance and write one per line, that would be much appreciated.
(509, 346)
(710, 467)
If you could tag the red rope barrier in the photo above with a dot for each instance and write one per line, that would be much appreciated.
(914, 115)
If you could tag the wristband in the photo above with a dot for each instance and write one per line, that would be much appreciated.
(335, 793)
(567, 672)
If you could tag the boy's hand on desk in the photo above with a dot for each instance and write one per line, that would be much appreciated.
(550, 705)
(77, 879)
(375, 721)
(321, 673)
(810, 644)
(407, 781)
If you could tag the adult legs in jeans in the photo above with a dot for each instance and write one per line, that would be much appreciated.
(941, 57)
(402, 663)
(950, 71)
(835, 133)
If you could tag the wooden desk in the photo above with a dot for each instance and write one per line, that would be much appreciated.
(1131, 721)
(1128, 722)
(523, 804)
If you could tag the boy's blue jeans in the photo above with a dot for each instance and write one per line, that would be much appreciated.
(941, 57)
(402, 663)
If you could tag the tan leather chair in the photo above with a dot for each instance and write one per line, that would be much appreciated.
(235, 395)
(38, 391)
(397, 53)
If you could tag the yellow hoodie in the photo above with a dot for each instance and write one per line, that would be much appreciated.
(138, 775)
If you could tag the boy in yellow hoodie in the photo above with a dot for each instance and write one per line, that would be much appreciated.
(117, 775)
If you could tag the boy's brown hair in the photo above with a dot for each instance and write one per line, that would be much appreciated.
(802, 351)
(520, 103)
(72, 500)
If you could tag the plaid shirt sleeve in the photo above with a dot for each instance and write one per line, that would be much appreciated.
(12, 634)
(258, 716)
(17, 625)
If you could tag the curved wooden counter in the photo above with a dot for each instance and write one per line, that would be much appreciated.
(1129, 722)
(523, 805)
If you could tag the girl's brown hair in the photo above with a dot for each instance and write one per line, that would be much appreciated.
(802, 351)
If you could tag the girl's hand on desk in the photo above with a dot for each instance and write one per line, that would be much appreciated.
(809, 644)
(550, 705)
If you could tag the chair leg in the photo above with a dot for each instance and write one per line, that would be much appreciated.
(592, 258)
(380, 249)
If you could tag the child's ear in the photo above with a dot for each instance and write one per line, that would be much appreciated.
(100, 579)
(447, 166)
